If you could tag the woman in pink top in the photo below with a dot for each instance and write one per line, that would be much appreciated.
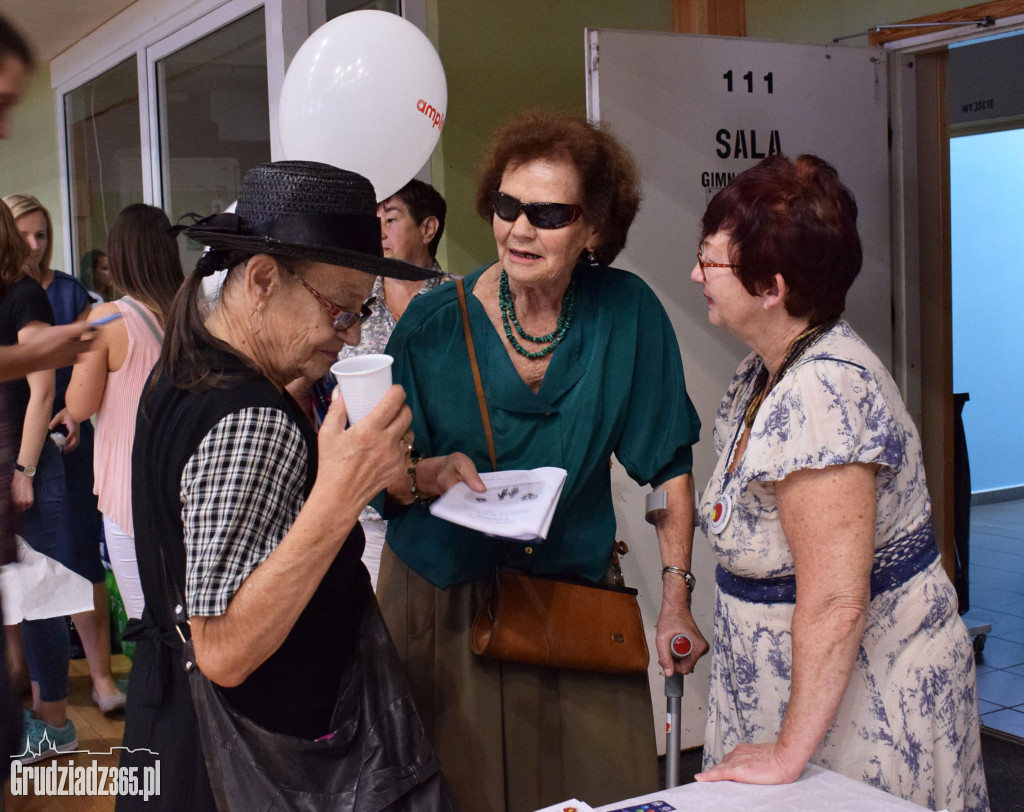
(108, 382)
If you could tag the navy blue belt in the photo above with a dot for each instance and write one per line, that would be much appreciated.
(894, 565)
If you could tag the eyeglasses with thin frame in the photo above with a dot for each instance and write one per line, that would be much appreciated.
(706, 263)
(540, 215)
(341, 319)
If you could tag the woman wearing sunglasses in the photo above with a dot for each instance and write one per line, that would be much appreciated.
(578, 363)
(246, 519)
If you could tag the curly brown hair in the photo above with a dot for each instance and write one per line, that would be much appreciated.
(608, 174)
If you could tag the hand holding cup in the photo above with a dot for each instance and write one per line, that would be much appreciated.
(363, 381)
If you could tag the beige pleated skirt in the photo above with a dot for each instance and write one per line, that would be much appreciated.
(514, 737)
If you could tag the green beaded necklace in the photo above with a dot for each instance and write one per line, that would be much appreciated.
(509, 319)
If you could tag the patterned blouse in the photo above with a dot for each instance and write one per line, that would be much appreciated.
(378, 328)
(908, 720)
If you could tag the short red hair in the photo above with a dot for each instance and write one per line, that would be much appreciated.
(797, 219)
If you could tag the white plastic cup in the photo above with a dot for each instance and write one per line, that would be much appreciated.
(363, 380)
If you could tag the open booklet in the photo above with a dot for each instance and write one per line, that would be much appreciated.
(517, 505)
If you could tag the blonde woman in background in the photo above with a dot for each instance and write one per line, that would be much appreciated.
(80, 523)
(37, 491)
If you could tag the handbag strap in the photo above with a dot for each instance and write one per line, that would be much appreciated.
(477, 381)
(147, 319)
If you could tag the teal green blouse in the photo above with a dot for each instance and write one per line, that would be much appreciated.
(614, 386)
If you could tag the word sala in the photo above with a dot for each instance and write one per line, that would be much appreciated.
(735, 145)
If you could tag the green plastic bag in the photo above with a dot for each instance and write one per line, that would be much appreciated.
(118, 619)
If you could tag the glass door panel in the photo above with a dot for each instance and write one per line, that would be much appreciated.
(104, 155)
(213, 119)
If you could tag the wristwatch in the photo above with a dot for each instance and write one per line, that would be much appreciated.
(686, 575)
(27, 470)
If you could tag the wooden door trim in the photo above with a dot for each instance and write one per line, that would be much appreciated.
(936, 305)
(727, 18)
(997, 9)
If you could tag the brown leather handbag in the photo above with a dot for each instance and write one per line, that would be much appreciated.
(554, 621)
(561, 623)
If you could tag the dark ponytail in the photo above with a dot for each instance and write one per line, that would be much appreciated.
(185, 357)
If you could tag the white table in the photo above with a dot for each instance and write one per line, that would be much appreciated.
(817, 789)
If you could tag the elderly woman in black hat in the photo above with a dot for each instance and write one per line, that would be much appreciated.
(247, 522)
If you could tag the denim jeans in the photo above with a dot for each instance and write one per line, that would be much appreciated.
(81, 525)
(47, 649)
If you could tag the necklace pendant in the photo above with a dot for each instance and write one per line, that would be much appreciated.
(721, 512)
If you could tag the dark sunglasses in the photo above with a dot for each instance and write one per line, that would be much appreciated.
(540, 215)
(341, 320)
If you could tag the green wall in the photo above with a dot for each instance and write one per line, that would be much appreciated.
(819, 21)
(501, 58)
(29, 161)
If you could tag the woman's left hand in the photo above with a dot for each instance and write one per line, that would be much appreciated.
(22, 494)
(675, 618)
(754, 764)
(674, 525)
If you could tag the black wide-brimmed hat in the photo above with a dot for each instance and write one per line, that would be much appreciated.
(303, 210)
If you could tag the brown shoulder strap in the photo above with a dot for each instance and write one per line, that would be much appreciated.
(476, 373)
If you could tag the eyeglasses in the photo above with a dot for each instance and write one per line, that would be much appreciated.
(706, 263)
(341, 320)
(541, 215)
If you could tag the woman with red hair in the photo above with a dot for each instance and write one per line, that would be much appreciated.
(837, 639)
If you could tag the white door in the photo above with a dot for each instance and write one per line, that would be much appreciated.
(694, 111)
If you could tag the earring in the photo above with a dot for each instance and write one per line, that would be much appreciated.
(252, 326)
(591, 257)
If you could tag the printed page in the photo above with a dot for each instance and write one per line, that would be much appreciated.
(517, 505)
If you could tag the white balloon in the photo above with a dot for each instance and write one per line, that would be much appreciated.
(366, 92)
(213, 283)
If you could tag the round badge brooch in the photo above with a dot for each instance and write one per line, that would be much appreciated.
(720, 513)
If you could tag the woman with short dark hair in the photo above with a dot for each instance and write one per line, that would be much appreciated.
(837, 638)
(578, 362)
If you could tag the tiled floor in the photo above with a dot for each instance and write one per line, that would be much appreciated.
(997, 597)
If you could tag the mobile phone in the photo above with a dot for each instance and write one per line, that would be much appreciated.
(104, 320)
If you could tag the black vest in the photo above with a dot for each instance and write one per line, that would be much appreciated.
(295, 689)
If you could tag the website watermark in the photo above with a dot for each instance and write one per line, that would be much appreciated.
(86, 777)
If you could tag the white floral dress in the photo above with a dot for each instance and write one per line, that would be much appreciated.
(908, 723)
